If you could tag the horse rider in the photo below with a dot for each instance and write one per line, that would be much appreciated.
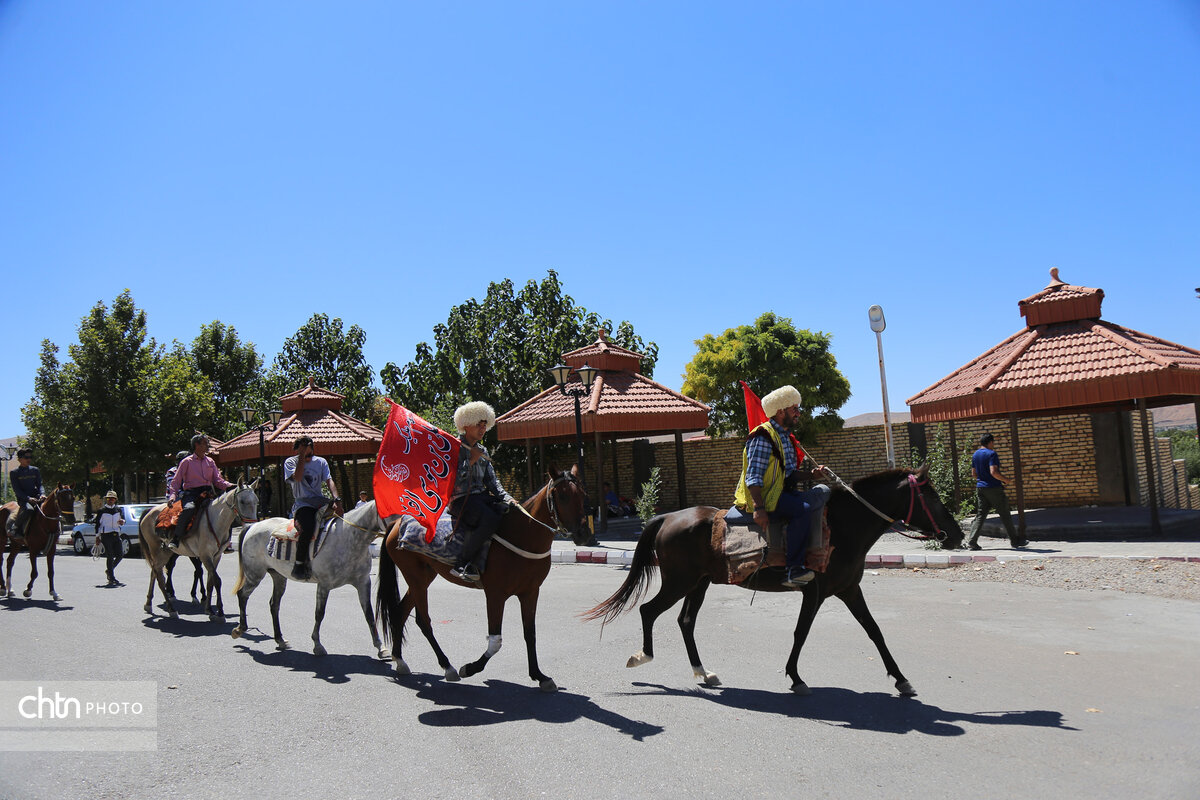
(107, 523)
(180, 456)
(769, 486)
(478, 502)
(306, 473)
(198, 477)
(27, 484)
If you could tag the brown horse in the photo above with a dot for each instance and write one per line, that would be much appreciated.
(518, 562)
(682, 543)
(41, 538)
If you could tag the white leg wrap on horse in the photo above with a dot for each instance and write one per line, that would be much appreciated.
(494, 643)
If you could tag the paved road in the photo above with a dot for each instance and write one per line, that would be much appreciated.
(1003, 710)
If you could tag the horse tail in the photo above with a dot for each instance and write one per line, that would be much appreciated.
(387, 598)
(241, 578)
(638, 580)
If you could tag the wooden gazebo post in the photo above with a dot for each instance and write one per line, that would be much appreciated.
(1017, 474)
(1155, 525)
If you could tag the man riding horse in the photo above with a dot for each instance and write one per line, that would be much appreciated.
(306, 473)
(27, 484)
(197, 479)
(479, 502)
(769, 486)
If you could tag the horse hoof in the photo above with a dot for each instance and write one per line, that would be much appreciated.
(281, 644)
(56, 597)
(637, 659)
(237, 632)
(147, 609)
(708, 678)
(319, 650)
(402, 668)
(452, 675)
(468, 670)
(174, 614)
(548, 685)
(384, 655)
(216, 617)
(26, 593)
(801, 688)
(905, 689)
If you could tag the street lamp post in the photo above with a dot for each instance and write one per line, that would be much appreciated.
(8, 454)
(878, 323)
(247, 417)
(561, 374)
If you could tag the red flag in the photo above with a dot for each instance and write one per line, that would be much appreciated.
(755, 415)
(415, 470)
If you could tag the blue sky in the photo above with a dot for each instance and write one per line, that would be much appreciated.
(686, 166)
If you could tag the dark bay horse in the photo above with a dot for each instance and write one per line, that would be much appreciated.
(41, 538)
(682, 544)
(517, 563)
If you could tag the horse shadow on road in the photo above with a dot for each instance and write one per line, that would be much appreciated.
(869, 711)
(188, 627)
(332, 668)
(19, 603)
(498, 701)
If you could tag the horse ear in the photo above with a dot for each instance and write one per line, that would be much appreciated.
(551, 471)
(922, 471)
(254, 483)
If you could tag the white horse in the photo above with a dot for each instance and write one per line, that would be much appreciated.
(206, 541)
(344, 558)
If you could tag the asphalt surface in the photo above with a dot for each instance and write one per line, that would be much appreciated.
(1024, 691)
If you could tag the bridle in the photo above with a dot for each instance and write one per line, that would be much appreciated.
(58, 505)
(551, 486)
(915, 495)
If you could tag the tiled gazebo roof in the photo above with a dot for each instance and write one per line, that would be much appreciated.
(1067, 358)
(312, 411)
(621, 402)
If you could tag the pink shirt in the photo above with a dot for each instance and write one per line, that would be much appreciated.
(195, 472)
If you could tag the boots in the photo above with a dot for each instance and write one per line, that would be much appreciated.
(466, 569)
(301, 571)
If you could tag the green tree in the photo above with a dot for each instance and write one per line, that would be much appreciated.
(50, 422)
(499, 350)
(235, 371)
(768, 354)
(333, 355)
(1185, 445)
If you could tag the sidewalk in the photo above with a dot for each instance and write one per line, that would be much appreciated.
(1053, 533)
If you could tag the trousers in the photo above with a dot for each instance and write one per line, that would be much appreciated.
(803, 512)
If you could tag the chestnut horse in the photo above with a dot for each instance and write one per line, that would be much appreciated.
(682, 543)
(517, 563)
(41, 538)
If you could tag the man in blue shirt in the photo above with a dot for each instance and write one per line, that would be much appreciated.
(306, 473)
(989, 492)
(27, 485)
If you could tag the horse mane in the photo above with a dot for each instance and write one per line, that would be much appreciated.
(886, 477)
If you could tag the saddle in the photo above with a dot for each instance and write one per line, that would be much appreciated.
(164, 526)
(747, 548)
(290, 533)
(282, 543)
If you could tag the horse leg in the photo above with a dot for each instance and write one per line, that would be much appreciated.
(156, 575)
(529, 601)
(854, 600)
(50, 575)
(670, 593)
(418, 602)
(214, 590)
(687, 624)
(808, 612)
(33, 573)
(213, 584)
(322, 598)
(495, 613)
(250, 582)
(170, 570)
(277, 595)
(364, 600)
(197, 579)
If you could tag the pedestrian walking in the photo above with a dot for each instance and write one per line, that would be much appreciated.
(989, 493)
(108, 522)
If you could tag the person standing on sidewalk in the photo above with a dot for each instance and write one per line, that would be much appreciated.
(108, 522)
(989, 493)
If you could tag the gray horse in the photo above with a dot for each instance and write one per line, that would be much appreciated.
(344, 557)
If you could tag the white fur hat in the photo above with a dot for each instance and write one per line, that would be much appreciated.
(781, 398)
(474, 413)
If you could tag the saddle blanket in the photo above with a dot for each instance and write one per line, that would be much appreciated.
(282, 543)
(446, 545)
(748, 550)
(168, 517)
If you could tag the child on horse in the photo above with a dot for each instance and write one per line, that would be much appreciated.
(769, 486)
(27, 484)
(306, 472)
(479, 502)
(197, 479)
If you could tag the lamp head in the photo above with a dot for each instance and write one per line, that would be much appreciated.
(560, 373)
(587, 375)
(878, 323)
(276, 415)
(247, 415)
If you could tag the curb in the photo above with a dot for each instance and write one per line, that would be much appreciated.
(933, 561)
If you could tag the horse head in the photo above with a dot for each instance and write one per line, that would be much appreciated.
(927, 512)
(568, 502)
(245, 501)
(63, 500)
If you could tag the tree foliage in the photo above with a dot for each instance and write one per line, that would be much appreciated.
(120, 400)
(768, 354)
(1185, 445)
(333, 355)
(499, 350)
(235, 371)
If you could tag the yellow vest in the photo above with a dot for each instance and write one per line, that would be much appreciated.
(772, 479)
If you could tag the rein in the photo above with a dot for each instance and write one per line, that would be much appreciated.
(551, 485)
(914, 494)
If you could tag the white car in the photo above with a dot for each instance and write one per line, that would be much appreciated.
(83, 535)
